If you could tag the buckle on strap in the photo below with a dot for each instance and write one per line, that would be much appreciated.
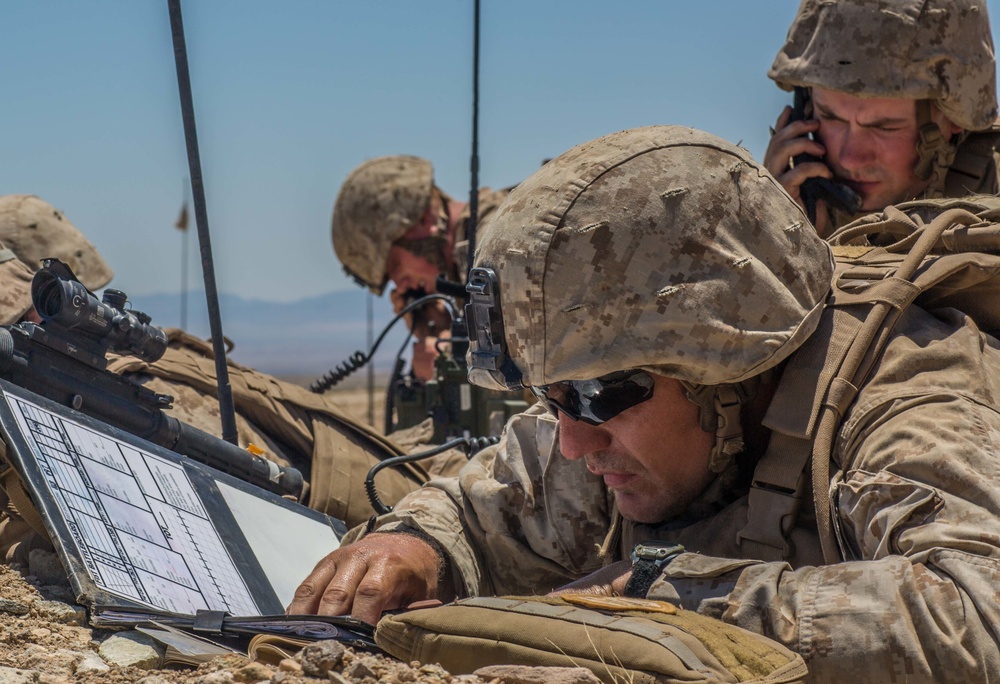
(771, 516)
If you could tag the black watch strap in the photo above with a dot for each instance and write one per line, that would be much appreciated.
(648, 560)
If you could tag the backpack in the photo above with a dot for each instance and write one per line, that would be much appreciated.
(932, 253)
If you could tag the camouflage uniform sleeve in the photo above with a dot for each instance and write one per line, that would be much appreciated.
(518, 518)
(918, 510)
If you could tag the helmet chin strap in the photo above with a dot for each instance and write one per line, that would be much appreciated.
(720, 413)
(935, 152)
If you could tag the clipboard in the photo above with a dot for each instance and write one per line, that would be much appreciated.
(145, 532)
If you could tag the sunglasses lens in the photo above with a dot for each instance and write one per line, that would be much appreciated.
(612, 400)
(597, 401)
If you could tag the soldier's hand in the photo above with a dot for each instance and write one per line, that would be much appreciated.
(789, 140)
(424, 355)
(608, 581)
(378, 573)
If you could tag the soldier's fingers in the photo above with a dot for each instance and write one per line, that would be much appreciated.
(373, 597)
(783, 118)
(793, 179)
(781, 149)
(339, 596)
(308, 594)
(395, 581)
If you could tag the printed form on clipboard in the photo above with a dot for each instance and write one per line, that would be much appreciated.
(145, 533)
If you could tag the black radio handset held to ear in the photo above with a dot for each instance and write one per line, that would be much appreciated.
(836, 194)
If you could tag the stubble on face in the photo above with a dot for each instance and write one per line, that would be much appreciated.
(654, 456)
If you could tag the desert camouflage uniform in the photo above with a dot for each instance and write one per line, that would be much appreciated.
(939, 51)
(914, 483)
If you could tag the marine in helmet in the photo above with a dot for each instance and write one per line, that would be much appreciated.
(292, 426)
(666, 300)
(392, 223)
(903, 102)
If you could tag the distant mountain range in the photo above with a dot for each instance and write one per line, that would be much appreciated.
(303, 338)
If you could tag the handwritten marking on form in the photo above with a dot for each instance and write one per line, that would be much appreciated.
(135, 518)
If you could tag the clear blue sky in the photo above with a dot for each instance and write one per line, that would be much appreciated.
(290, 96)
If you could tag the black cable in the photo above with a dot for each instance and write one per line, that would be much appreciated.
(359, 358)
(470, 445)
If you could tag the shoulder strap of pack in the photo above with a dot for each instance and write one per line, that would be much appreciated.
(974, 169)
(872, 287)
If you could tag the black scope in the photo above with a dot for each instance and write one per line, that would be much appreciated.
(62, 300)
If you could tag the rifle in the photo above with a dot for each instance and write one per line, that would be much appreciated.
(65, 359)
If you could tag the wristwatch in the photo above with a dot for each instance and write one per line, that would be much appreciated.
(648, 560)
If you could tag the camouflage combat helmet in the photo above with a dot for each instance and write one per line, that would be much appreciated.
(938, 50)
(661, 248)
(15, 287)
(379, 201)
(34, 230)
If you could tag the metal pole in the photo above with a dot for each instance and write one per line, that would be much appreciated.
(226, 406)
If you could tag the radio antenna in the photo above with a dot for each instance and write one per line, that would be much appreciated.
(474, 163)
(226, 406)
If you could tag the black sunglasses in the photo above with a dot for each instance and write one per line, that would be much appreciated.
(596, 401)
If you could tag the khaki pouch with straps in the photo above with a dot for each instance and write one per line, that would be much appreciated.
(618, 639)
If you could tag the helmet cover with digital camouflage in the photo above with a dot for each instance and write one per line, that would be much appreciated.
(34, 230)
(378, 203)
(661, 248)
(938, 50)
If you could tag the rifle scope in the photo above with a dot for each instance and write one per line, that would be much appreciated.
(64, 301)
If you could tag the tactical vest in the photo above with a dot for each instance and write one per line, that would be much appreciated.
(933, 253)
(338, 449)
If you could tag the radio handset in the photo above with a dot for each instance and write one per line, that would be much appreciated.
(816, 188)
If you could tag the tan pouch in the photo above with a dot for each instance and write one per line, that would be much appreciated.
(633, 640)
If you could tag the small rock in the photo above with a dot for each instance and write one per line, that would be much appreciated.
(221, 677)
(52, 678)
(39, 633)
(319, 658)
(132, 649)
(91, 663)
(62, 660)
(64, 613)
(11, 675)
(254, 672)
(289, 665)
(339, 679)
(359, 669)
(523, 674)
(13, 607)
(155, 679)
